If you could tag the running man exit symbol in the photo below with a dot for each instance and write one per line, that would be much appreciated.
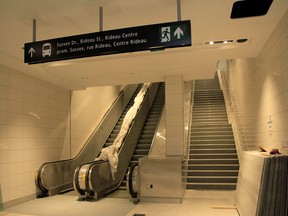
(165, 34)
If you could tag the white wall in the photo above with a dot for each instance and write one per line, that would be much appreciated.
(87, 109)
(258, 87)
(35, 127)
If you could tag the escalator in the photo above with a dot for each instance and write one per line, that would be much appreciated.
(55, 177)
(117, 127)
(146, 138)
(94, 179)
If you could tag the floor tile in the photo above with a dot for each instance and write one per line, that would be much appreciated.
(195, 203)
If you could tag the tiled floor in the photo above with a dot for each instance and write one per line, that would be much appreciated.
(195, 203)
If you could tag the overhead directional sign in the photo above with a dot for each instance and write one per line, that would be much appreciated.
(149, 37)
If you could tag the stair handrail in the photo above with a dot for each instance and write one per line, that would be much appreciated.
(233, 113)
(190, 119)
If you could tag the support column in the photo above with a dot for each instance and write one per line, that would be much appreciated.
(174, 101)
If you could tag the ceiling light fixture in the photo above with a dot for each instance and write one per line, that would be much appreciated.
(242, 40)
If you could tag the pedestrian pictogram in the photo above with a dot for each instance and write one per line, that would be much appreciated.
(165, 34)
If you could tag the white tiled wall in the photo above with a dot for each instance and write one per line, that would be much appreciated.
(33, 129)
(259, 89)
(40, 122)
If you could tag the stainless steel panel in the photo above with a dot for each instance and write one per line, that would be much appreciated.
(160, 178)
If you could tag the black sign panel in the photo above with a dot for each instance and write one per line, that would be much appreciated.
(158, 36)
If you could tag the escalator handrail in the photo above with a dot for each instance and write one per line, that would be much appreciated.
(88, 171)
(154, 87)
(137, 139)
(131, 191)
(39, 175)
(76, 183)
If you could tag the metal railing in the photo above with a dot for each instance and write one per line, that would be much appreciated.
(188, 139)
(234, 115)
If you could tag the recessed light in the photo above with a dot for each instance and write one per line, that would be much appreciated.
(59, 63)
(84, 78)
(243, 40)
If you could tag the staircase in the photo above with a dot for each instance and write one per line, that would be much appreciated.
(213, 162)
(145, 140)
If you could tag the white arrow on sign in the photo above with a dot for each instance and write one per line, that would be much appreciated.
(31, 51)
(178, 32)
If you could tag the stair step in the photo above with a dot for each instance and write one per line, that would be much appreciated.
(204, 129)
(213, 156)
(214, 161)
(212, 146)
(208, 123)
(214, 186)
(212, 136)
(143, 146)
(141, 152)
(218, 127)
(212, 151)
(144, 141)
(220, 166)
(197, 132)
(227, 141)
(209, 119)
(202, 108)
(212, 173)
(214, 179)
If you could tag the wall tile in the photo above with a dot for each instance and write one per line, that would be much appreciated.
(4, 78)
(3, 91)
(258, 90)
(21, 99)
